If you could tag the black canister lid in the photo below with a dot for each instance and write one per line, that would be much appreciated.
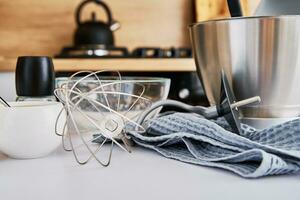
(35, 76)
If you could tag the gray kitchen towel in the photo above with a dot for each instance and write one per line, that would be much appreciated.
(255, 153)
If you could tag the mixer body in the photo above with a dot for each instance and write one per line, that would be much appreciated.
(260, 56)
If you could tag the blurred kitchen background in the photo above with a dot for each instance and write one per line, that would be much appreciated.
(153, 39)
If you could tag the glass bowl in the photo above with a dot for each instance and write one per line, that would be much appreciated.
(128, 97)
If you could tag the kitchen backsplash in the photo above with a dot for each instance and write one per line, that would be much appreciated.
(35, 27)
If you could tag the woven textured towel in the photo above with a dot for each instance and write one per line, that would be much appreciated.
(255, 153)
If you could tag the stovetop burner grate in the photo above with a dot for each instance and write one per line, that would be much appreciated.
(101, 51)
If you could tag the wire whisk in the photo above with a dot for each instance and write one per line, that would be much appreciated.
(99, 111)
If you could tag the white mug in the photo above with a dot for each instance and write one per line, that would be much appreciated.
(27, 129)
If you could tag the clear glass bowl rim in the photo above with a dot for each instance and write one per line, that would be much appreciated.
(137, 79)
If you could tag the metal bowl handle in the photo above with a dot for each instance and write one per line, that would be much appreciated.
(98, 2)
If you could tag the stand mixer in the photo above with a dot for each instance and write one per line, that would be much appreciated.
(260, 56)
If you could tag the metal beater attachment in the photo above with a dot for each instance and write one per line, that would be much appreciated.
(228, 107)
(98, 110)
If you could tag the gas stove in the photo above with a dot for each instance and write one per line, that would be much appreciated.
(102, 51)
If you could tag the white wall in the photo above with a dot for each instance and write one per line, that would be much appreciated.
(7, 86)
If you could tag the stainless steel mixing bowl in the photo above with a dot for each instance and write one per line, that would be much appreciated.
(260, 55)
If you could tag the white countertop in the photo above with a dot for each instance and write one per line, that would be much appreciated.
(140, 175)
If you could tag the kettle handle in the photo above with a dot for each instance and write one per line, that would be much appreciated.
(235, 8)
(98, 2)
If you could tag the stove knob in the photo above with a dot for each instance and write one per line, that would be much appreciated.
(184, 93)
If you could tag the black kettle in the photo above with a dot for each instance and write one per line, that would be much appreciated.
(95, 32)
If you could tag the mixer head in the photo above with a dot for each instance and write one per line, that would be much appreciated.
(227, 99)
